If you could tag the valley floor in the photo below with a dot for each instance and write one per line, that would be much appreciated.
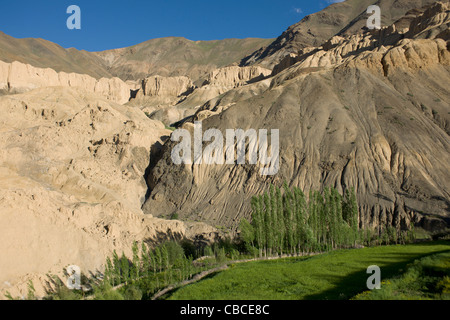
(339, 275)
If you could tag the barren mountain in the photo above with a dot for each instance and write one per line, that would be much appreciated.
(172, 99)
(85, 151)
(369, 111)
(344, 18)
(165, 57)
(72, 168)
(174, 56)
(45, 54)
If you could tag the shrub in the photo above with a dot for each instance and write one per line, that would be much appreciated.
(208, 252)
(106, 292)
(132, 293)
(175, 252)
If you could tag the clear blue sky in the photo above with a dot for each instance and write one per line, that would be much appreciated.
(114, 24)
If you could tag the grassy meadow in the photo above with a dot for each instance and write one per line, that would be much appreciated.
(338, 275)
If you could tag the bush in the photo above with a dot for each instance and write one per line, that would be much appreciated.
(63, 293)
(208, 252)
(228, 245)
(220, 255)
(105, 292)
(175, 252)
(133, 293)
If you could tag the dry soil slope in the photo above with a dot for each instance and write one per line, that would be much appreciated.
(348, 17)
(45, 54)
(72, 168)
(377, 121)
(164, 56)
(176, 56)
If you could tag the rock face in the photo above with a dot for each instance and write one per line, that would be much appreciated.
(171, 99)
(371, 111)
(234, 76)
(17, 77)
(344, 18)
(395, 46)
(158, 86)
(72, 169)
(80, 164)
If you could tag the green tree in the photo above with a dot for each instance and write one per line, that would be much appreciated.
(247, 232)
(301, 218)
(145, 260)
(116, 268)
(158, 258)
(136, 266)
(280, 226)
(125, 268)
(258, 222)
(109, 272)
(268, 224)
(174, 252)
(153, 260)
(289, 219)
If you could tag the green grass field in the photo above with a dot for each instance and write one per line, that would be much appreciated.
(335, 275)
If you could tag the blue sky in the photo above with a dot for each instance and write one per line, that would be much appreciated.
(114, 24)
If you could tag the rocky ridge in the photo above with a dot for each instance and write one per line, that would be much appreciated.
(72, 167)
(344, 18)
(17, 77)
(81, 162)
(171, 99)
(369, 111)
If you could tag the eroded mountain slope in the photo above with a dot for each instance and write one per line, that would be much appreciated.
(72, 168)
(344, 18)
(367, 114)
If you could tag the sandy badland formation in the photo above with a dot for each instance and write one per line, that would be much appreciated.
(85, 153)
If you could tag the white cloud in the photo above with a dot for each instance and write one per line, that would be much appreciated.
(298, 10)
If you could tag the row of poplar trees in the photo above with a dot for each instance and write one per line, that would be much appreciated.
(287, 222)
(167, 258)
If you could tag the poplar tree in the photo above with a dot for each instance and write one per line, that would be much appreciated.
(280, 225)
(267, 223)
(258, 222)
(342, 229)
(109, 272)
(300, 213)
(272, 228)
(165, 257)
(116, 269)
(311, 213)
(152, 260)
(135, 268)
(247, 232)
(158, 258)
(125, 267)
(145, 259)
(165, 262)
(286, 221)
(350, 211)
(327, 228)
(289, 221)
